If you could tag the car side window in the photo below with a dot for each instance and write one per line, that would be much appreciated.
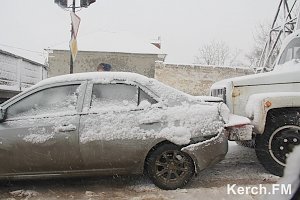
(143, 96)
(108, 95)
(47, 101)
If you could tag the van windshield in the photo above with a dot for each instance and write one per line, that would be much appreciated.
(291, 52)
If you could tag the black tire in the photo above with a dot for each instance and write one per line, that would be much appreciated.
(282, 133)
(246, 143)
(169, 168)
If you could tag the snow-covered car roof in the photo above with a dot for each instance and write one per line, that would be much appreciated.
(96, 76)
(163, 91)
(159, 88)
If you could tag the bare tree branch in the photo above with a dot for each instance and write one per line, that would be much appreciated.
(260, 37)
(213, 53)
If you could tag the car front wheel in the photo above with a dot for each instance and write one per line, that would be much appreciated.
(169, 168)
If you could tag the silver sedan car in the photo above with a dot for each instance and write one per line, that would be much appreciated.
(107, 123)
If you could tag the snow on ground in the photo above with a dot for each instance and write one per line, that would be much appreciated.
(239, 167)
(24, 193)
(291, 173)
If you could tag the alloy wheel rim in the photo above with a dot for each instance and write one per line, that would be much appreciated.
(172, 166)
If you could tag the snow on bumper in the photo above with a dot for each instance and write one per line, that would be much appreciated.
(238, 128)
(240, 133)
(208, 152)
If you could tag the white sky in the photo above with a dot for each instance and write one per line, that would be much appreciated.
(184, 25)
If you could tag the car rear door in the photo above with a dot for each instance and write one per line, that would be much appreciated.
(110, 136)
(40, 133)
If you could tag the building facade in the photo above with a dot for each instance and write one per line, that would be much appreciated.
(88, 61)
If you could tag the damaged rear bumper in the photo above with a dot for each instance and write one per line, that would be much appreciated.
(243, 132)
(208, 152)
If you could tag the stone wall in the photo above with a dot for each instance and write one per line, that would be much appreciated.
(195, 79)
(87, 61)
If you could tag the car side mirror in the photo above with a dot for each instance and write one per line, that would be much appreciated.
(2, 114)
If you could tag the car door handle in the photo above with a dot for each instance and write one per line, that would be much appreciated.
(66, 128)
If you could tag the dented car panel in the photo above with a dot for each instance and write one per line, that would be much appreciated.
(240, 133)
(208, 152)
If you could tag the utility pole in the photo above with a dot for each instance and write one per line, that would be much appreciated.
(72, 32)
(73, 43)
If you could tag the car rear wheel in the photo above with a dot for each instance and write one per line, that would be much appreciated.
(169, 168)
(282, 134)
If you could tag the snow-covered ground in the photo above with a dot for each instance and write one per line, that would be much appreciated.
(240, 167)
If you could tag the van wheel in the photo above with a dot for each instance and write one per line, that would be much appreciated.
(281, 135)
(169, 168)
